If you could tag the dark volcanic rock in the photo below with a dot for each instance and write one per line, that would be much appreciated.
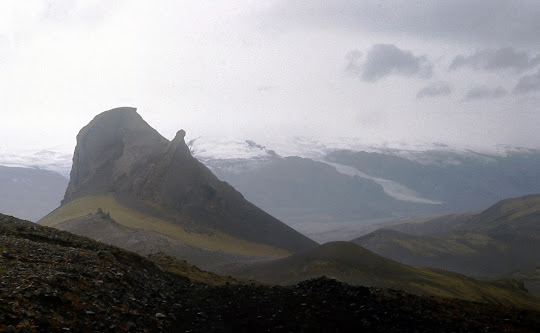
(114, 145)
(119, 152)
(52, 281)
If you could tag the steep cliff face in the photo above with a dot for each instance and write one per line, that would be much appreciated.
(114, 146)
(176, 179)
(119, 153)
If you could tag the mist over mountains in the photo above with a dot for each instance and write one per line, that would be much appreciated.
(55, 158)
(207, 147)
(30, 193)
(321, 185)
(337, 187)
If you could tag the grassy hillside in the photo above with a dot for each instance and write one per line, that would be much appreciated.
(428, 246)
(502, 241)
(132, 218)
(531, 281)
(100, 226)
(193, 273)
(434, 225)
(473, 254)
(517, 216)
(353, 264)
(497, 242)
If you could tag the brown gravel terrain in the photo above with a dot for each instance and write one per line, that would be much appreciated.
(54, 281)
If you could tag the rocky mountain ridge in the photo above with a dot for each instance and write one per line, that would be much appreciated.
(501, 241)
(412, 180)
(121, 158)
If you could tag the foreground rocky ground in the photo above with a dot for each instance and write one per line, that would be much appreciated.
(55, 281)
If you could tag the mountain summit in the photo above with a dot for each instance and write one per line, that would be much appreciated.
(116, 144)
(124, 166)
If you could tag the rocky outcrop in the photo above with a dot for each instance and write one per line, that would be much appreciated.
(118, 152)
(54, 281)
(115, 145)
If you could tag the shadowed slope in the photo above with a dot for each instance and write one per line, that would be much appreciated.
(519, 216)
(502, 240)
(353, 264)
(55, 281)
(204, 252)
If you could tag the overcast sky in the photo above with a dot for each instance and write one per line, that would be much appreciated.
(455, 72)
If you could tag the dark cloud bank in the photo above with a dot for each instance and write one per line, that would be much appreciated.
(387, 59)
(435, 89)
(484, 92)
(491, 60)
(528, 83)
(477, 22)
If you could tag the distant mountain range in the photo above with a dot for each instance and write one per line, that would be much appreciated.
(345, 189)
(348, 262)
(326, 187)
(30, 193)
(499, 242)
(459, 182)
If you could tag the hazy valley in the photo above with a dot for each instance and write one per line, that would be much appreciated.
(30, 193)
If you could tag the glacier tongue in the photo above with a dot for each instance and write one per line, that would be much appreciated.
(390, 187)
(208, 148)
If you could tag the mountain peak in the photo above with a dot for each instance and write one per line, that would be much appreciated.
(120, 110)
(113, 145)
(119, 156)
(124, 119)
(121, 116)
(180, 135)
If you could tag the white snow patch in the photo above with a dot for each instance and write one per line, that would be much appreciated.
(57, 158)
(205, 148)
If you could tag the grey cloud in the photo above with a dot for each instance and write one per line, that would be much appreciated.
(502, 58)
(387, 59)
(528, 83)
(484, 92)
(435, 89)
(473, 21)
